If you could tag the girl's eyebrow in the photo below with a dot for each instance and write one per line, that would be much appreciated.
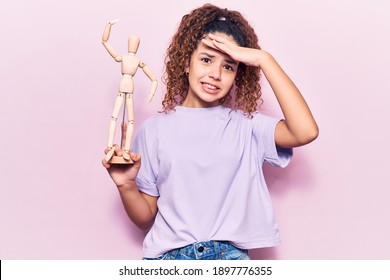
(207, 54)
(233, 62)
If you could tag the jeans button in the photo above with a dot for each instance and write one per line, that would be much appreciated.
(200, 249)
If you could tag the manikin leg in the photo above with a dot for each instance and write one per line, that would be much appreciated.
(111, 132)
(130, 123)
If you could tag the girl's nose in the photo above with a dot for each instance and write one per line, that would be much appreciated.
(215, 73)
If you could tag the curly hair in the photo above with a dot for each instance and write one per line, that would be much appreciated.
(193, 27)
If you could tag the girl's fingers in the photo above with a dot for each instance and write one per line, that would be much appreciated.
(105, 164)
(216, 38)
(247, 56)
(135, 157)
(221, 41)
(118, 150)
(220, 44)
(214, 45)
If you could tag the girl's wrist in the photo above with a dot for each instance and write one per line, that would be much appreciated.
(263, 58)
(129, 186)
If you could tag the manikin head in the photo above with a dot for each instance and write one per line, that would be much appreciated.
(133, 43)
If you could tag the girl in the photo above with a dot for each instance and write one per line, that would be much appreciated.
(200, 191)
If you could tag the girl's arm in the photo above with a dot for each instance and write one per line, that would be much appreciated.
(299, 126)
(140, 207)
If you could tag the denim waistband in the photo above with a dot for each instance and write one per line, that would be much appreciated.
(206, 250)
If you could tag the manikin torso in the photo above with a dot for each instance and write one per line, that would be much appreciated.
(129, 65)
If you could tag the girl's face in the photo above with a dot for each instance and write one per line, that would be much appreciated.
(211, 76)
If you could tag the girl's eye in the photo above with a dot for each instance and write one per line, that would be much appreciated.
(228, 67)
(206, 60)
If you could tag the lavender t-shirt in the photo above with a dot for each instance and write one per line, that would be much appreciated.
(205, 165)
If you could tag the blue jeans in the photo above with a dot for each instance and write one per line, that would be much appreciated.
(209, 250)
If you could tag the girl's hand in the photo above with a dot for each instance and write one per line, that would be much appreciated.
(123, 174)
(140, 207)
(247, 56)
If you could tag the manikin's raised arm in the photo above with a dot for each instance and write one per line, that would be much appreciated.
(106, 36)
(152, 78)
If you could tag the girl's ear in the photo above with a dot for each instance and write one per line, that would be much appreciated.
(187, 66)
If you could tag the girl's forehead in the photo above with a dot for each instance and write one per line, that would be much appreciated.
(224, 35)
(204, 49)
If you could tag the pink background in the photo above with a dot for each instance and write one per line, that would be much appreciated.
(58, 86)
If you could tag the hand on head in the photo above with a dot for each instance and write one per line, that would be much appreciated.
(227, 45)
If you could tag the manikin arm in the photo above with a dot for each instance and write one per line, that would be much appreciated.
(106, 36)
(152, 78)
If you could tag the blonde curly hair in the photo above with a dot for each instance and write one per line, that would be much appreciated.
(195, 25)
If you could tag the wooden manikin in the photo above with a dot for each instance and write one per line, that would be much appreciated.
(129, 63)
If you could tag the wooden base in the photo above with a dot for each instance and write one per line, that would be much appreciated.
(119, 160)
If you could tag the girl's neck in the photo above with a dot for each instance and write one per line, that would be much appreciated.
(197, 103)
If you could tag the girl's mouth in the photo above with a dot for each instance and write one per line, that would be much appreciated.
(212, 89)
